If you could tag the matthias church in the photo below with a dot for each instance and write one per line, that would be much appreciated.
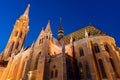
(85, 54)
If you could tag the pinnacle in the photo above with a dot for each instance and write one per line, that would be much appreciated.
(26, 13)
(48, 28)
(60, 28)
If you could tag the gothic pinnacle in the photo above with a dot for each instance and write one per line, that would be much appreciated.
(26, 13)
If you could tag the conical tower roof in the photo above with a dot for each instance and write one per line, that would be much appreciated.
(26, 13)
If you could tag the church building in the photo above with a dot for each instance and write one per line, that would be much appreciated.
(85, 54)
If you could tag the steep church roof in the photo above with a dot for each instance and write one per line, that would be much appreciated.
(79, 34)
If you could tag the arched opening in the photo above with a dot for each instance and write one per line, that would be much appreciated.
(37, 59)
(113, 66)
(87, 71)
(11, 48)
(81, 52)
(51, 74)
(81, 71)
(16, 33)
(56, 73)
(96, 48)
(106, 47)
(46, 37)
(40, 41)
(20, 34)
(17, 45)
(102, 69)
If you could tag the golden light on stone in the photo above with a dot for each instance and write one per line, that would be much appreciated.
(85, 54)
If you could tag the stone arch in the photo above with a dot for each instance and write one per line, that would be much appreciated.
(20, 35)
(16, 33)
(96, 48)
(87, 71)
(81, 70)
(56, 73)
(113, 66)
(51, 76)
(81, 51)
(17, 45)
(11, 48)
(106, 46)
(37, 59)
(102, 69)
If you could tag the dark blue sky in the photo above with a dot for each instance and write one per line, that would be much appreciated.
(103, 14)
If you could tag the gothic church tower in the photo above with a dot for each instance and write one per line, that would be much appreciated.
(18, 35)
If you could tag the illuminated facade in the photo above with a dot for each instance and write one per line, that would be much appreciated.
(86, 54)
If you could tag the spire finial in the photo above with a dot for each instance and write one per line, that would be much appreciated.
(27, 10)
(60, 23)
(48, 28)
(48, 20)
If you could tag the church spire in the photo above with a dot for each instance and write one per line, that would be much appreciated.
(60, 24)
(60, 30)
(18, 36)
(48, 28)
(26, 13)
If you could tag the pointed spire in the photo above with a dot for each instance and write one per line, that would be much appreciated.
(86, 33)
(26, 13)
(48, 28)
(42, 31)
(60, 28)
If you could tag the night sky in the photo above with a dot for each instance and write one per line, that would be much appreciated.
(76, 14)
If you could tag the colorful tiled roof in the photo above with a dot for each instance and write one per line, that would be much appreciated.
(79, 34)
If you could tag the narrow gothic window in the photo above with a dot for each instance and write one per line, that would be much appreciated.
(96, 48)
(51, 74)
(20, 34)
(40, 41)
(37, 59)
(17, 45)
(106, 48)
(113, 66)
(81, 52)
(87, 71)
(102, 69)
(56, 73)
(11, 47)
(81, 71)
(16, 33)
(46, 37)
